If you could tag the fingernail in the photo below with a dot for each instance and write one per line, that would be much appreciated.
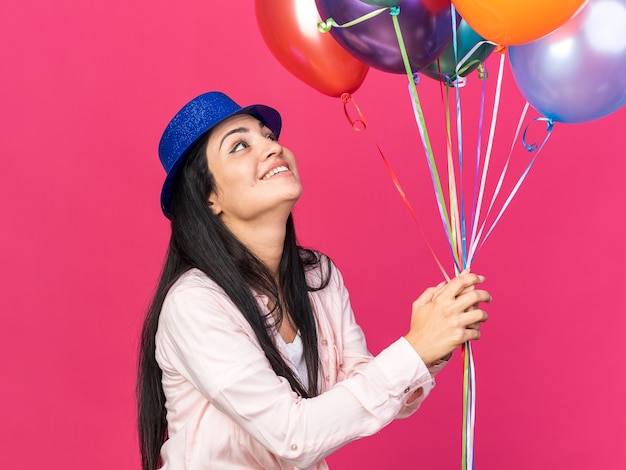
(482, 278)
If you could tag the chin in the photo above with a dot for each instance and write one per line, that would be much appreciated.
(294, 191)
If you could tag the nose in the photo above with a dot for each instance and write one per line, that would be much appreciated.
(271, 149)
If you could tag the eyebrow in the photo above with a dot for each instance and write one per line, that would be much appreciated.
(238, 130)
(233, 131)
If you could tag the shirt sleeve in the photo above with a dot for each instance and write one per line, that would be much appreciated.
(207, 340)
(355, 354)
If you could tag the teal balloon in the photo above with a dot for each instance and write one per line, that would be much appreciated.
(383, 3)
(444, 68)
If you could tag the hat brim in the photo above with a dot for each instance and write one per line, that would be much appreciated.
(269, 116)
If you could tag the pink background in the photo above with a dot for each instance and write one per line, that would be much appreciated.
(87, 88)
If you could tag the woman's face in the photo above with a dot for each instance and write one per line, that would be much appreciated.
(255, 176)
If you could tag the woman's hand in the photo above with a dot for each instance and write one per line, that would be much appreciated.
(446, 316)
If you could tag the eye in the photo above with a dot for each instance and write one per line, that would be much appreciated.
(271, 136)
(240, 145)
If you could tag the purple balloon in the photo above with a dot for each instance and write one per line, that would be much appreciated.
(383, 3)
(578, 72)
(426, 27)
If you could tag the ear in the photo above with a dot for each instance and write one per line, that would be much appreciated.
(214, 204)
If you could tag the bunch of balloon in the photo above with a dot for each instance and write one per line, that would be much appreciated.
(289, 28)
(577, 73)
(568, 58)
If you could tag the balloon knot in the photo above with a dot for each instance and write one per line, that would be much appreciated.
(500, 49)
(358, 124)
(448, 80)
(482, 71)
(416, 78)
(531, 147)
(325, 26)
(549, 126)
(394, 11)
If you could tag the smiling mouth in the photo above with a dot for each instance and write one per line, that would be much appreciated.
(275, 171)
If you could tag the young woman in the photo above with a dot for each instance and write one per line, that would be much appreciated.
(250, 355)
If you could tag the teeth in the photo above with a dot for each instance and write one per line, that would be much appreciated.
(275, 171)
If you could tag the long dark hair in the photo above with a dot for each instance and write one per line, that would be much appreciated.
(200, 240)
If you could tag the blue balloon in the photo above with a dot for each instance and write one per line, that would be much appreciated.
(578, 72)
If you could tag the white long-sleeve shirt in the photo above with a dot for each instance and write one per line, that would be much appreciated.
(227, 408)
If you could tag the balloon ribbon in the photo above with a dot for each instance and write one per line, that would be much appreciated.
(454, 223)
(452, 228)
(360, 124)
(419, 116)
(325, 26)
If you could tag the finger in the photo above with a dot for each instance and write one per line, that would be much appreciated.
(425, 297)
(457, 285)
(471, 307)
(467, 289)
(470, 300)
(436, 290)
(474, 318)
(439, 288)
(471, 335)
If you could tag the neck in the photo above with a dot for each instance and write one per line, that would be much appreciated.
(264, 238)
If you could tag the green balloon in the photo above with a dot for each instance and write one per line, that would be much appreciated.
(444, 68)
